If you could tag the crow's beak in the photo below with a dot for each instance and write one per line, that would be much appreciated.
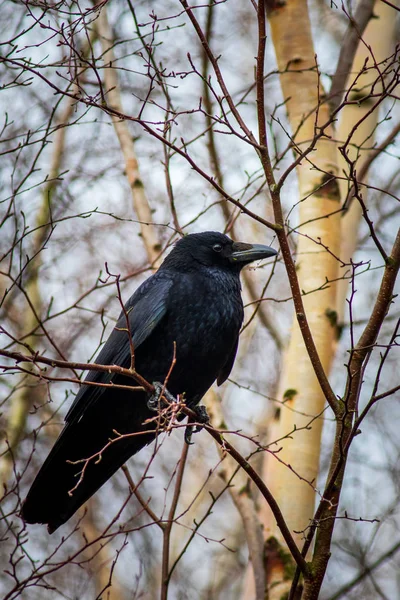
(246, 253)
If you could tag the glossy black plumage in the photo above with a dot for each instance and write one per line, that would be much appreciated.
(193, 300)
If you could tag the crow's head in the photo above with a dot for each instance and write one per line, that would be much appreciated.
(213, 249)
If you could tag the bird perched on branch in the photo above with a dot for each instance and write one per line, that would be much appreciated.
(184, 324)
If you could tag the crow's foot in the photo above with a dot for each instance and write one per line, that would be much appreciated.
(160, 398)
(202, 418)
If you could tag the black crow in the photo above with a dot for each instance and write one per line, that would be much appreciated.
(192, 307)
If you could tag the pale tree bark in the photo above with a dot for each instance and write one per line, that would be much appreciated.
(319, 229)
(291, 478)
(319, 221)
(113, 98)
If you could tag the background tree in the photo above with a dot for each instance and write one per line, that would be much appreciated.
(297, 147)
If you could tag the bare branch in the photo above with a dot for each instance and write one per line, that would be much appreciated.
(351, 39)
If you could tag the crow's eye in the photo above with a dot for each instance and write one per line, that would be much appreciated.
(217, 247)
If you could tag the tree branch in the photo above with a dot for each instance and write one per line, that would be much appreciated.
(351, 39)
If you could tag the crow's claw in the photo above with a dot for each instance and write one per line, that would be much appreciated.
(160, 398)
(202, 418)
(188, 435)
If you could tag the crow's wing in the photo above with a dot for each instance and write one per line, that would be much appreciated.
(227, 368)
(145, 309)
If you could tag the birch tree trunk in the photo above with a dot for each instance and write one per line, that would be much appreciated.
(319, 229)
(291, 478)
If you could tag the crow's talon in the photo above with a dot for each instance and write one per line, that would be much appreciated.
(160, 398)
(202, 418)
(188, 435)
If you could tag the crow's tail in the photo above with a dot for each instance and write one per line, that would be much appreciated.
(63, 484)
